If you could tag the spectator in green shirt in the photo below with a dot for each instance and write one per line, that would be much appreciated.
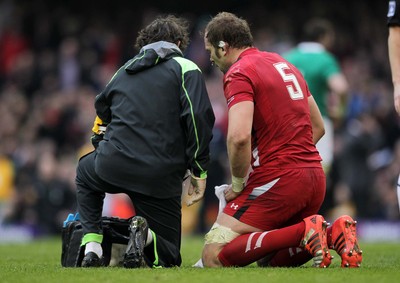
(324, 78)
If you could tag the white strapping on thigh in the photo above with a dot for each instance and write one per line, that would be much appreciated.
(220, 234)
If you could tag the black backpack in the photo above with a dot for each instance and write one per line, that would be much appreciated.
(115, 231)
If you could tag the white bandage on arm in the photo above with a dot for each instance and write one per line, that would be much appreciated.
(220, 235)
(238, 184)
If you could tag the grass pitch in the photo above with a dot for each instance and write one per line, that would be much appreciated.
(39, 261)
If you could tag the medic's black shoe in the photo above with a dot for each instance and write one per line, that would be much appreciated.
(91, 259)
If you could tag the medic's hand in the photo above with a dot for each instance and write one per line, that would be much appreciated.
(196, 189)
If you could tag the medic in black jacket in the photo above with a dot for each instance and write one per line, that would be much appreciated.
(154, 122)
(159, 121)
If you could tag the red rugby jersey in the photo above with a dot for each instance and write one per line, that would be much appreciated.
(282, 131)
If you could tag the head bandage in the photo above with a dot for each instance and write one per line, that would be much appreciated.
(220, 235)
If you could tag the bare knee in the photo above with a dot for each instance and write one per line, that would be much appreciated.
(210, 255)
(215, 240)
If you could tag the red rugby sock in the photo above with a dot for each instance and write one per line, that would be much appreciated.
(251, 247)
(290, 257)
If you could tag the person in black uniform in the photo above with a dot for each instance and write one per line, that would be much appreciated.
(393, 22)
(154, 123)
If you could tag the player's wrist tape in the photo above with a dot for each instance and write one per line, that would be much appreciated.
(238, 184)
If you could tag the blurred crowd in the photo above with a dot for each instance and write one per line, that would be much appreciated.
(55, 58)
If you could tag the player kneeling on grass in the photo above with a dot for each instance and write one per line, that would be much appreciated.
(274, 124)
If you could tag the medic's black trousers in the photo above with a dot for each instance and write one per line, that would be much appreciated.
(163, 215)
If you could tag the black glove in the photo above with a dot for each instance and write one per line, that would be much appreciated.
(95, 139)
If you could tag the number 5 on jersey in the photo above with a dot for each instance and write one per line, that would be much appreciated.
(293, 88)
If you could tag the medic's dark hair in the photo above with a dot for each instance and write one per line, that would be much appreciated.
(165, 28)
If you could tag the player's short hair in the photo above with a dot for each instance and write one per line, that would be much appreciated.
(317, 28)
(228, 28)
(165, 28)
